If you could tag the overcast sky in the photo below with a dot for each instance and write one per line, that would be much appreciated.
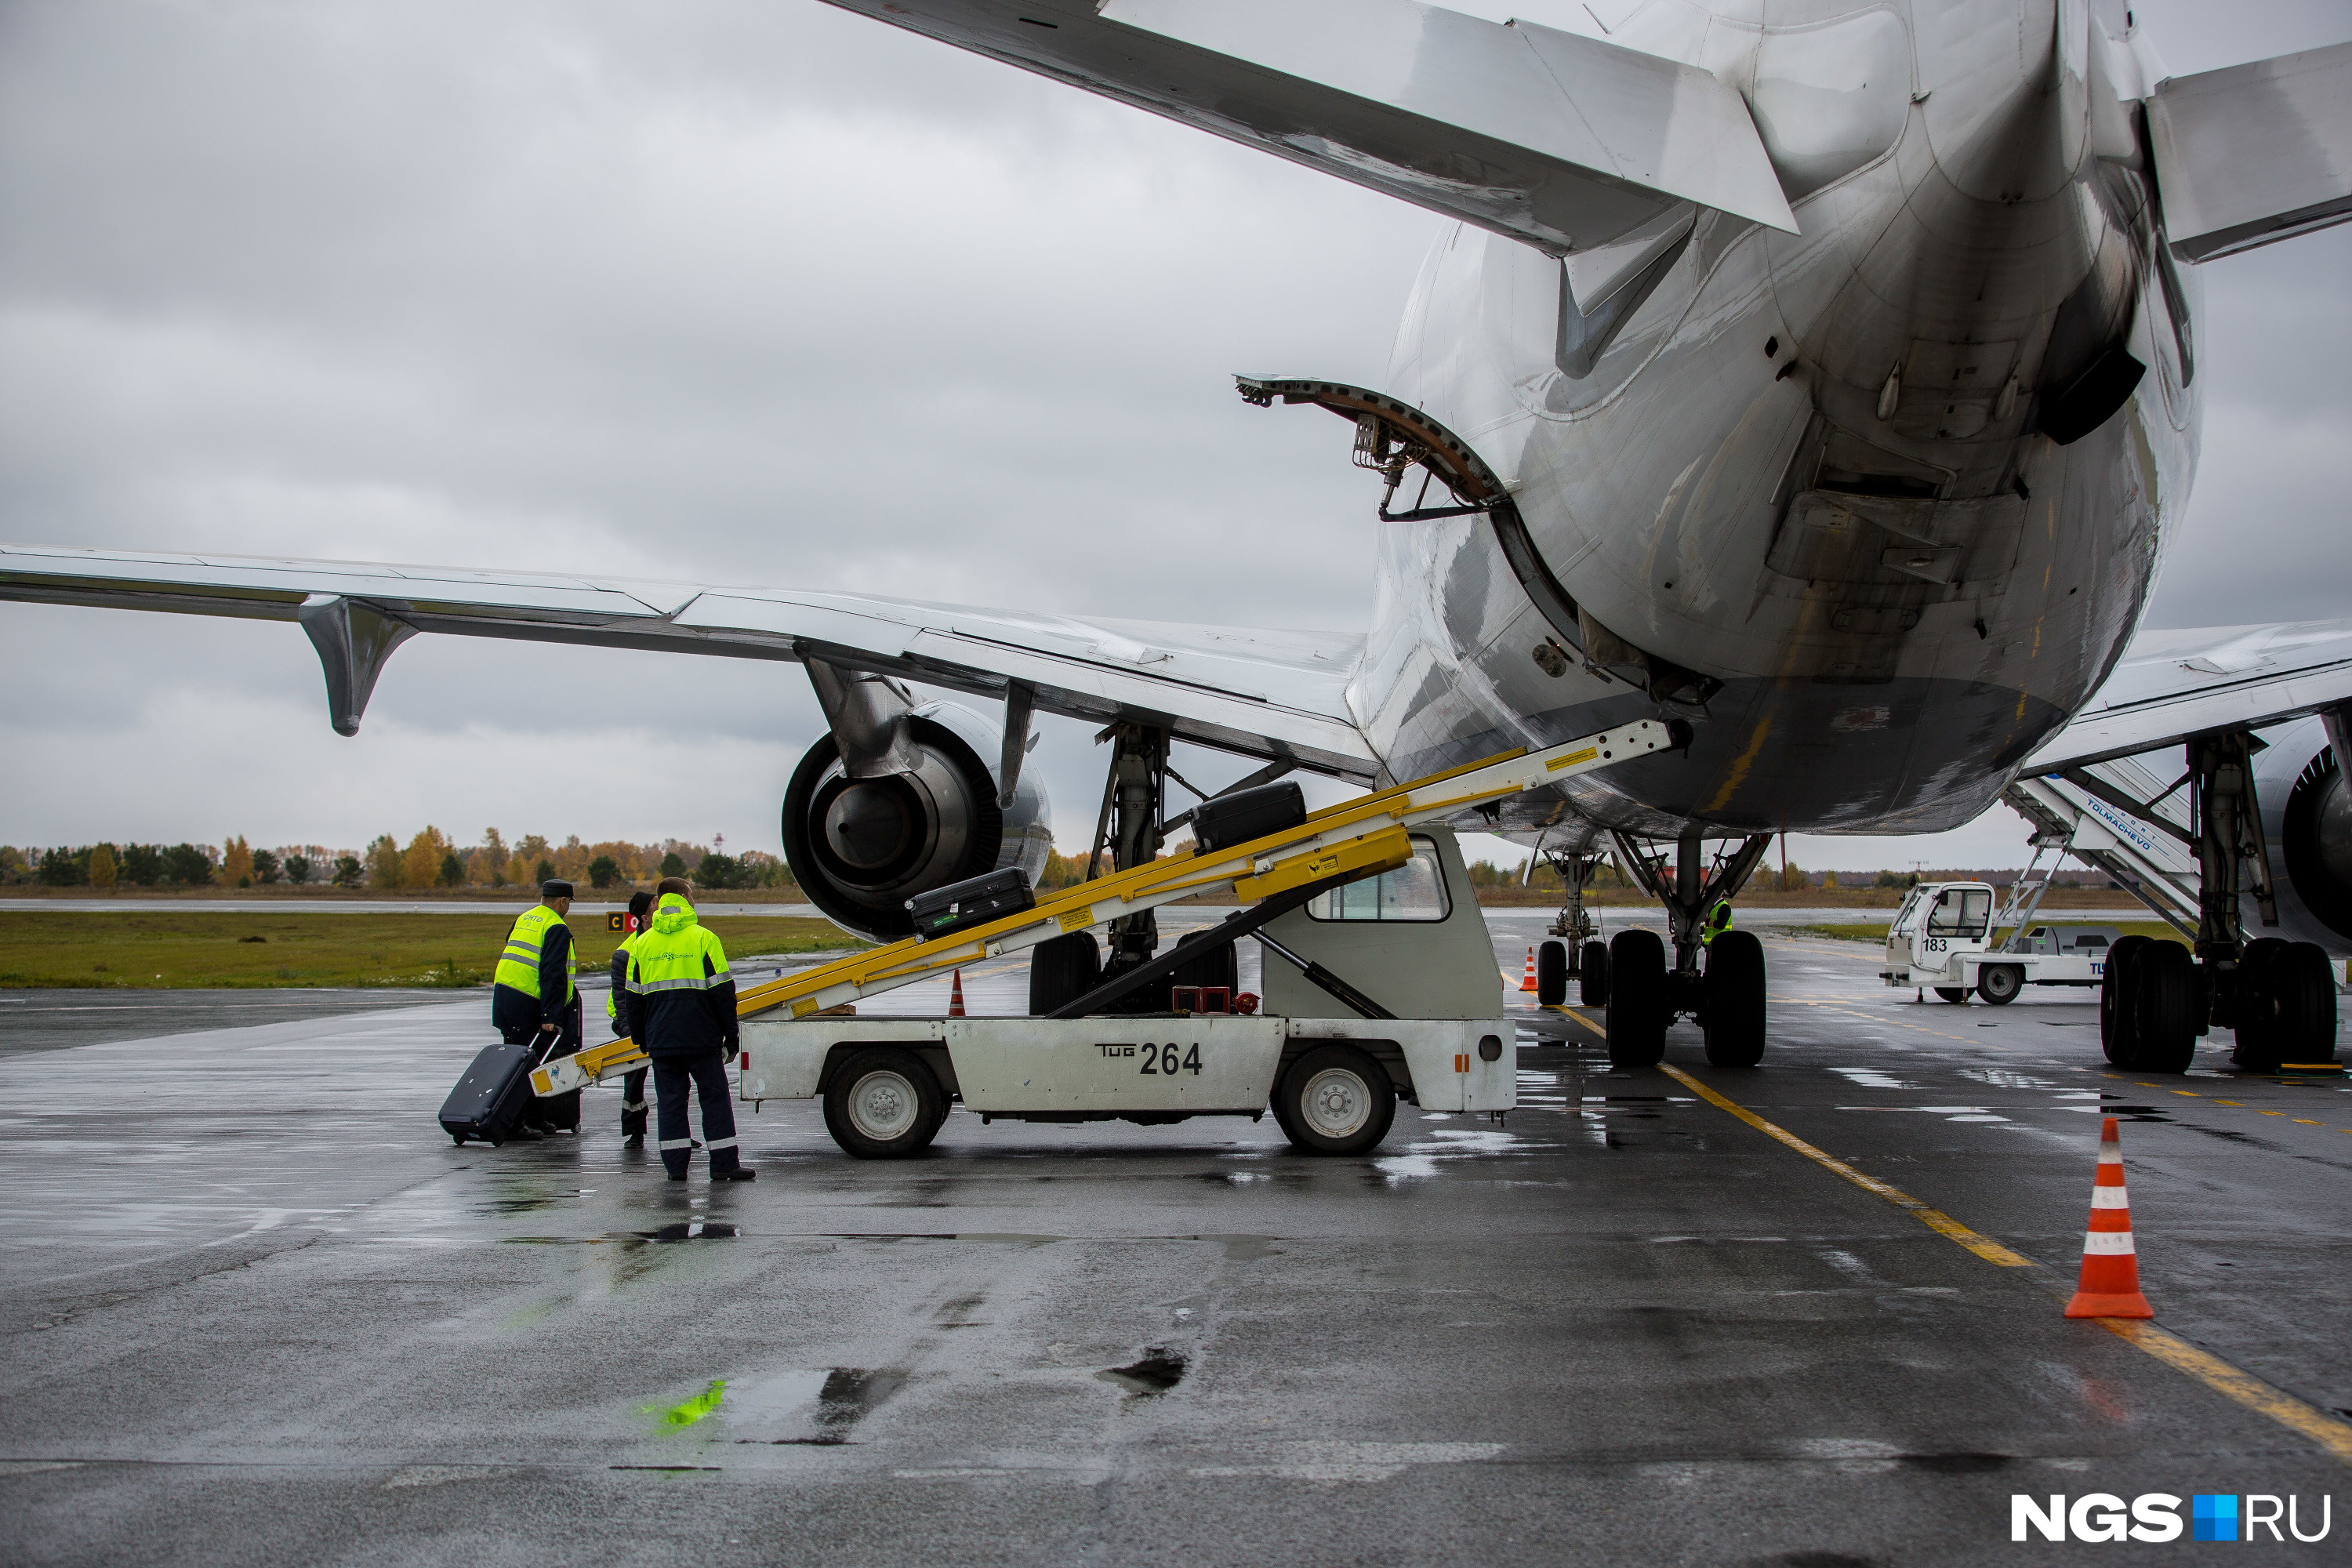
(749, 290)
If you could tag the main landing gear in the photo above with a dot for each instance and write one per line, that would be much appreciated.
(1643, 993)
(2156, 999)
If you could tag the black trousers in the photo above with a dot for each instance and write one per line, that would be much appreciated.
(633, 1104)
(705, 1071)
(517, 1019)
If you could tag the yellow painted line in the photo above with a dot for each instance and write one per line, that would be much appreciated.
(2248, 1390)
(2251, 1392)
(1935, 1219)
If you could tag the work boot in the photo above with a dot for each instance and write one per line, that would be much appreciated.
(676, 1176)
(739, 1174)
(634, 1141)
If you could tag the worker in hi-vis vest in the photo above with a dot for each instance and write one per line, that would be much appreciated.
(685, 1013)
(620, 1007)
(534, 1001)
(1718, 920)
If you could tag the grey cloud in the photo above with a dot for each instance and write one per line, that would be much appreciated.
(754, 290)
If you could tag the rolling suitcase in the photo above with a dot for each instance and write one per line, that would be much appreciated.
(491, 1097)
(971, 902)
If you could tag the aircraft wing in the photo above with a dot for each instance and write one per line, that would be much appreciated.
(2171, 685)
(2255, 153)
(1568, 142)
(1271, 694)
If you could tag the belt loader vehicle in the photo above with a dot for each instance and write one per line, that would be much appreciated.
(1381, 984)
(1941, 940)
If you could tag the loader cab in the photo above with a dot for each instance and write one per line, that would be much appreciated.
(1411, 940)
(1938, 919)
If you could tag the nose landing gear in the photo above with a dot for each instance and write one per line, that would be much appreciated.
(1725, 996)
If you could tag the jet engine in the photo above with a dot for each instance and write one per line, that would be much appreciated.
(900, 798)
(2307, 818)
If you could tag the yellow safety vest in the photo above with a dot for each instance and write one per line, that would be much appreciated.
(1718, 920)
(669, 956)
(519, 965)
(628, 943)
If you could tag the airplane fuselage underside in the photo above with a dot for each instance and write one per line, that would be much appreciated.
(1887, 485)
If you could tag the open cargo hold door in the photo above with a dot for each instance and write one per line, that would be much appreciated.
(1392, 438)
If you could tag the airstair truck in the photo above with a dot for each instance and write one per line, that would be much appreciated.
(1380, 985)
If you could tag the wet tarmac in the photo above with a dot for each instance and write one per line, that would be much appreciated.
(256, 1308)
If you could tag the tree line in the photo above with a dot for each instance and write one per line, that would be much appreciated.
(427, 859)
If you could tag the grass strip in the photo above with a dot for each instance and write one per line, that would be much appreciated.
(225, 949)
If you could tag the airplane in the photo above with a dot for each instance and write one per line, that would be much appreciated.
(1820, 376)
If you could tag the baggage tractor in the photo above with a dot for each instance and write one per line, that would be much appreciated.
(490, 1099)
(971, 902)
(1247, 814)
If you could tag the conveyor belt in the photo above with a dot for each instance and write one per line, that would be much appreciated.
(1365, 836)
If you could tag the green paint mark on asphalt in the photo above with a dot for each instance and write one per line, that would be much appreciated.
(695, 1408)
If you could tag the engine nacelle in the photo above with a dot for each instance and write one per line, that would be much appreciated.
(2307, 818)
(861, 847)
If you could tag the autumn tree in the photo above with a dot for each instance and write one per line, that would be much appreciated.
(383, 861)
(421, 861)
(236, 863)
(102, 869)
(495, 855)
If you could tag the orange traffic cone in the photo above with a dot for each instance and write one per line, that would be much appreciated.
(2110, 1283)
(1529, 982)
(955, 997)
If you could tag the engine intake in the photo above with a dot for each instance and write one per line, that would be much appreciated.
(862, 844)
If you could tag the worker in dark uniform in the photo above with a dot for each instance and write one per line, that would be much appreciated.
(684, 1000)
(620, 1008)
(534, 1001)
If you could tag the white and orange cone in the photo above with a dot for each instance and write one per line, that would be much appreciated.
(2110, 1282)
(955, 997)
(1529, 982)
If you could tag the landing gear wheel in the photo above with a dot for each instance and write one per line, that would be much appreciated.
(1593, 985)
(2164, 1008)
(1999, 983)
(1061, 970)
(2259, 1047)
(2307, 1006)
(1734, 1016)
(2118, 1032)
(1636, 1019)
(2288, 1000)
(1956, 994)
(1335, 1100)
(884, 1104)
(1551, 973)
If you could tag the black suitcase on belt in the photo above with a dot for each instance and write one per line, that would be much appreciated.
(1247, 814)
(491, 1097)
(971, 902)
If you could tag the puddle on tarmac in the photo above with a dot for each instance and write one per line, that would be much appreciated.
(842, 1396)
(1160, 1370)
(692, 1230)
(1871, 1078)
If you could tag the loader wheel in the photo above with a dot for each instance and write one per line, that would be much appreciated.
(1335, 1100)
(1551, 974)
(1594, 984)
(1999, 983)
(1636, 1020)
(884, 1104)
(1956, 994)
(2118, 1031)
(2289, 1005)
(1733, 1013)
